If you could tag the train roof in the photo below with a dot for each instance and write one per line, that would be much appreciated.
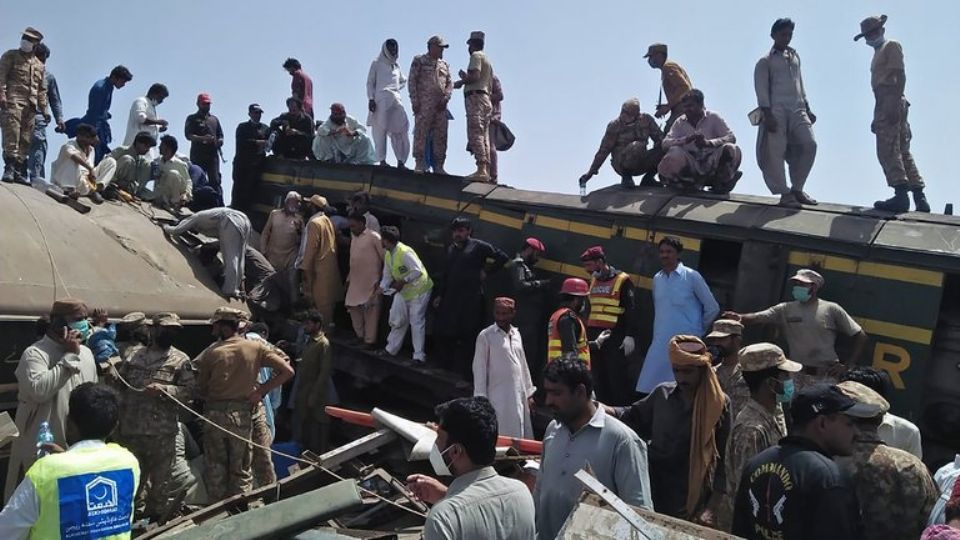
(115, 257)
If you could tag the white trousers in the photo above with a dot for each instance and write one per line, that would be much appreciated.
(413, 314)
(395, 124)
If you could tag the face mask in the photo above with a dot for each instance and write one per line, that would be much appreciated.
(164, 339)
(83, 327)
(439, 464)
(26, 45)
(717, 352)
(875, 43)
(800, 293)
(788, 389)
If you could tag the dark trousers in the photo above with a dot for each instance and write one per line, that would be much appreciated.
(611, 371)
(246, 176)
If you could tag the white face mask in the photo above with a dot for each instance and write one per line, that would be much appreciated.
(875, 43)
(439, 464)
(26, 45)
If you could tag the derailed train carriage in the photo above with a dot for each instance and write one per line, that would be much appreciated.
(898, 276)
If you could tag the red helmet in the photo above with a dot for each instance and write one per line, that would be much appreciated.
(575, 287)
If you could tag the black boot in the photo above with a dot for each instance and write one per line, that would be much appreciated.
(8, 170)
(897, 204)
(627, 181)
(649, 180)
(20, 174)
(920, 201)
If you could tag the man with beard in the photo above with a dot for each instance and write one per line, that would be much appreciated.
(341, 139)
(203, 131)
(366, 265)
(292, 131)
(626, 140)
(149, 419)
(583, 433)
(248, 159)
(529, 292)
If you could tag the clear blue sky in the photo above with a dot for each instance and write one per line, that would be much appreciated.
(566, 66)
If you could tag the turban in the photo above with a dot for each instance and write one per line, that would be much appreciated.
(504, 302)
(69, 307)
(708, 403)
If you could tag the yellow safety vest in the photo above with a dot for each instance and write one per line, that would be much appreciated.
(85, 493)
(394, 261)
(555, 345)
(605, 307)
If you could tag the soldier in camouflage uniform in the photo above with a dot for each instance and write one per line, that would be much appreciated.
(760, 424)
(888, 79)
(23, 95)
(724, 341)
(626, 140)
(895, 489)
(149, 419)
(227, 374)
(430, 89)
(477, 84)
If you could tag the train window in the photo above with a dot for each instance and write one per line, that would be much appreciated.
(941, 418)
(719, 262)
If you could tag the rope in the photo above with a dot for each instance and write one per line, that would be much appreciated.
(311, 463)
(46, 245)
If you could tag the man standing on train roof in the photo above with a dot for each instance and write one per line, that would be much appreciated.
(810, 326)
(888, 79)
(301, 86)
(459, 299)
(786, 131)
(23, 95)
(143, 117)
(682, 303)
(674, 80)
(477, 84)
(430, 88)
(388, 117)
(205, 134)
(406, 278)
(613, 307)
(529, 293)
(98, 109)
(38, 147)
(625, 140)
(251, 137)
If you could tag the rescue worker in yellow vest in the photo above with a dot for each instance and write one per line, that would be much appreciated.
(613, 306)
(84, 492)
(566, 334)
(404, 277)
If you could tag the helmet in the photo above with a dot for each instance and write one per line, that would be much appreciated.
(575, 287)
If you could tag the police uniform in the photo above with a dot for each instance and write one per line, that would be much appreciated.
(149, 424)
(430, 89)
(895, 489)
(24, 87)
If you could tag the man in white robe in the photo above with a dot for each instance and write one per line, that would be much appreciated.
(341, 139)
(48, 371)
(387, 113)
(232, 228)
(143, 117)
(500, 372)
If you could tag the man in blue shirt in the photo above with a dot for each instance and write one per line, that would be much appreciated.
(98, 109)
(683, 304)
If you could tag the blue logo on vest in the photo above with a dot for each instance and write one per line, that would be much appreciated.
(95, 505)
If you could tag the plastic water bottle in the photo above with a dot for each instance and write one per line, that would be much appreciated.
(583, 190)
(44, 436)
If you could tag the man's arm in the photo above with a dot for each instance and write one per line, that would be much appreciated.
(267, 233)
(21, 512)
(631, 311)
(282, 372)
(724, 133)
(638, 416)
(673, 77)
(767, 316)
(607, 143)
(413, 85)
(40, 383)
(481, 361)
(184, 226)
(631, 473)
(761, 83)
(42, 98)
(567, 327)
(56, 104)
(520, 282)
(847, 326)
(709, 306)
(6, 64)
(494, 257)
(318, 395)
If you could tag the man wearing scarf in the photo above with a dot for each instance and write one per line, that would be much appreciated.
(687, 423)
(341, 139)
(387, 114)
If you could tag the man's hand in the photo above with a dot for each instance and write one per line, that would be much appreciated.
(162, 123)
(602, 338)
(458, 84)
(732, 315)
(47, 117)
(586, 177)
(531, 404)
(153, 389)
(662, 110)
(770, 122)
(436, 302)
(52, 448)
(426, 488)
(60, 127)
(463, 76)
(699, 140)
(71, 340)
(372, 105)
(398, 285)
(255, 396)
(99, 316)
(627, 346)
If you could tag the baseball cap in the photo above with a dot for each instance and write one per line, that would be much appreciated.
(255, 107)
(761, 356)
(823, 399)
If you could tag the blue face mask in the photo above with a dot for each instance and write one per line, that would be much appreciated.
(800, 293)
(788, 389)
(82, 326)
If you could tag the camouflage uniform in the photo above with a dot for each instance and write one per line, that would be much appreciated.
(149, 424)
(895, 490)
(228, 459)
(262, 460)
(479, 108)
(430, 89)
(733, 385)
(893, 142)
(23, 85)
(627, 146)
(754, 430)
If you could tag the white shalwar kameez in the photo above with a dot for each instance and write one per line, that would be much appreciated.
(384, 84)
(501, 375)
(232, 227)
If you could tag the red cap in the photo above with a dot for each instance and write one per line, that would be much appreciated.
(575, 286)
(204, 98)
(536, 244)
(592, 254)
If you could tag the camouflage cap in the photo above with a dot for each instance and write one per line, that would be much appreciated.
(761, 356)
(167, 319)
(808, 276)
(864, 394)
(725, 328)
(656, 48)
(438, 41)
(135, 318)
(228, 314)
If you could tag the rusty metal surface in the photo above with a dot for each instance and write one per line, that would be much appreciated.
(113, 257)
